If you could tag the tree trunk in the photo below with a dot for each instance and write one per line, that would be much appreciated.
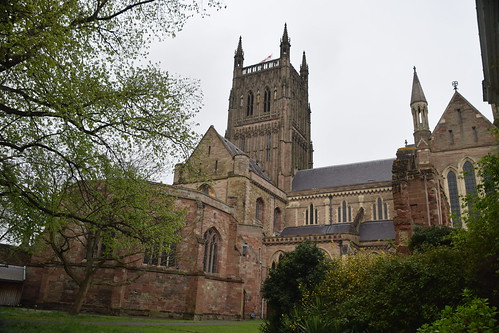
(82, 293)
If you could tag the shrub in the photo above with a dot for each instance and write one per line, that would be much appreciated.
(474, 316)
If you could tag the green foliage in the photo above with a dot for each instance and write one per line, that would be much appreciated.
(75, 106)
(481, 239)
(393, 293)
(298, 272)
(474, 316)
(85, 123)
(426, 238)
(366, 292)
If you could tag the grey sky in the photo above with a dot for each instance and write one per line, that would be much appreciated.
(360, 55)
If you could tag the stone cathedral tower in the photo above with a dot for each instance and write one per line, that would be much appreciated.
(269, 114)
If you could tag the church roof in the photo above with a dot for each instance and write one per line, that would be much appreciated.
(369, 231)
(338, 228)
(234, 150)
(376, 230)
(343, 175)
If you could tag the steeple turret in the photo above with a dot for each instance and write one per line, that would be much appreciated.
(419, 109)
(239, 55)
(285, 43)
(304, 67)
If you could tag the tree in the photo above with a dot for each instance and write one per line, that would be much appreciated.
(481, 239)
(384, 293)
(298, 272)
(475, 315)
(141, 219)
(425, 238)
(78, 114)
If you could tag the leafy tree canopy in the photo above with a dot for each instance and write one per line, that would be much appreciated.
(426, 238)
(298, 272)
(481, 239)
(76, 106)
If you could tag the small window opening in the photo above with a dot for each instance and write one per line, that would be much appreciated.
(451, 137)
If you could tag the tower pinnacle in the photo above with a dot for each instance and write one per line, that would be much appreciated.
(239, 55)
(419, 109)
(304, 67)
(285, 43)
(417, 92)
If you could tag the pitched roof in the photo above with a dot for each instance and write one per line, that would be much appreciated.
(462, 119)
(369, 231)
(342, 175)
(338, 228)
(234, 150)
(377, 230)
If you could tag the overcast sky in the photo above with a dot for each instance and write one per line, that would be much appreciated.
(360, 55)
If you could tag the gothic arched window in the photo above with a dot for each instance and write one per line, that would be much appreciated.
(344, 212)
(379, 202)
(311, 215)
(380, 210)
(469, 181)
(266, 100)
(249, 105)
(454, 198)
(259, 210)
(469, 178)
(206, 189)
(211, 243)
(165, 258)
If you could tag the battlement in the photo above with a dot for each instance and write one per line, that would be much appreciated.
(261, 66)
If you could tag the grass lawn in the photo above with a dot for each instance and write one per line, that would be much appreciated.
(13, 320)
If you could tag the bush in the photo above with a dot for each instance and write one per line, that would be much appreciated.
(298, 272)
(387, 293)
(474, 316)
(426, 238)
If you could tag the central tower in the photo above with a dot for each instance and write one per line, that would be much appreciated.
(269, 114)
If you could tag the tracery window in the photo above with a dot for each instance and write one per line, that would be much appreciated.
(311, 215)
(454, 198)
(380, 210)
(249, 104)
(469, 181)
(166, 257)
(211, 244)
(469, 178)
(344, 212)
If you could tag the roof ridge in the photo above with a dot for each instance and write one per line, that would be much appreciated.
(353, 163)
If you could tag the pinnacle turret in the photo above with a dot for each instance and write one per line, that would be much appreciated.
(285, 42)
(304, 67)
(417, 91)
(239, 55)
(419, 110)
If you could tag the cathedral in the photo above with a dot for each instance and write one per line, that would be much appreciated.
(252, 194)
